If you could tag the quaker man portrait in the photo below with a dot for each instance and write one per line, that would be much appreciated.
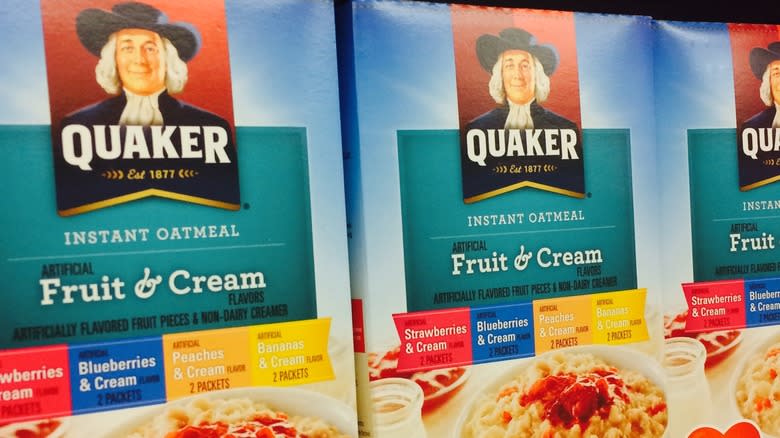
(142, 62)
(765, 64)
(520, 82)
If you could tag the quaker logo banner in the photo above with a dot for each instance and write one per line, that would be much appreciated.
(141, 103)
(756, 62)
(518, 101)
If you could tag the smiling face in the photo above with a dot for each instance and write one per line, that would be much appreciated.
(517, 73)
(139, 61)
(774, 80)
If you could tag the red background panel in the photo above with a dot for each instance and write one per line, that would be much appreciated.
(71, 68)
(744, 37)
(549, 27)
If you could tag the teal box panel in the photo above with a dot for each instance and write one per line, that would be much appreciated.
(593, 236)
(207, 267)
(722, 215)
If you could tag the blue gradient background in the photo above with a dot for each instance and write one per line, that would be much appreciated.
(694, 90)
(405, 80)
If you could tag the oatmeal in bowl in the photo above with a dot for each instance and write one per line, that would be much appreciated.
(246, 412)
(756, 387)
(577, 392)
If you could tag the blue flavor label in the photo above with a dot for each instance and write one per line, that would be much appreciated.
(502, 332)
(107, 376)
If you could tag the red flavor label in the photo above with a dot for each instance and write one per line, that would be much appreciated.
(34, 383)
(718, 305)
(437, 339)
(358, 327)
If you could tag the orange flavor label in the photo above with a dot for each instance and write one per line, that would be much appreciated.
(206, 361)
(562, 322)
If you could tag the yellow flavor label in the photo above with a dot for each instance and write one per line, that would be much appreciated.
(205, 361)
(562, 322)
(619, 317)
(290, 353)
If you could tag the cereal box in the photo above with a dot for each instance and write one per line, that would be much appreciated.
(500, 168)
(173, 247)
(718, 155)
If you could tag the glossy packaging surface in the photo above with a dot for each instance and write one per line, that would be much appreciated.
(503, 244)
(173, 244)
(717, 175)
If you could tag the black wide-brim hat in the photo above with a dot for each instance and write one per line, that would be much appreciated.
(490, 47)
(760, 58)
(94, 26)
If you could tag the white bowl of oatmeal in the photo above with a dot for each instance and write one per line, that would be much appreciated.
(246, 412)
(755, 387)
(589, 391)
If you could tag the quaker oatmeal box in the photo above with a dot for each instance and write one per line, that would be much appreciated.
(501, 213)
(173, 246)
(717, 158)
